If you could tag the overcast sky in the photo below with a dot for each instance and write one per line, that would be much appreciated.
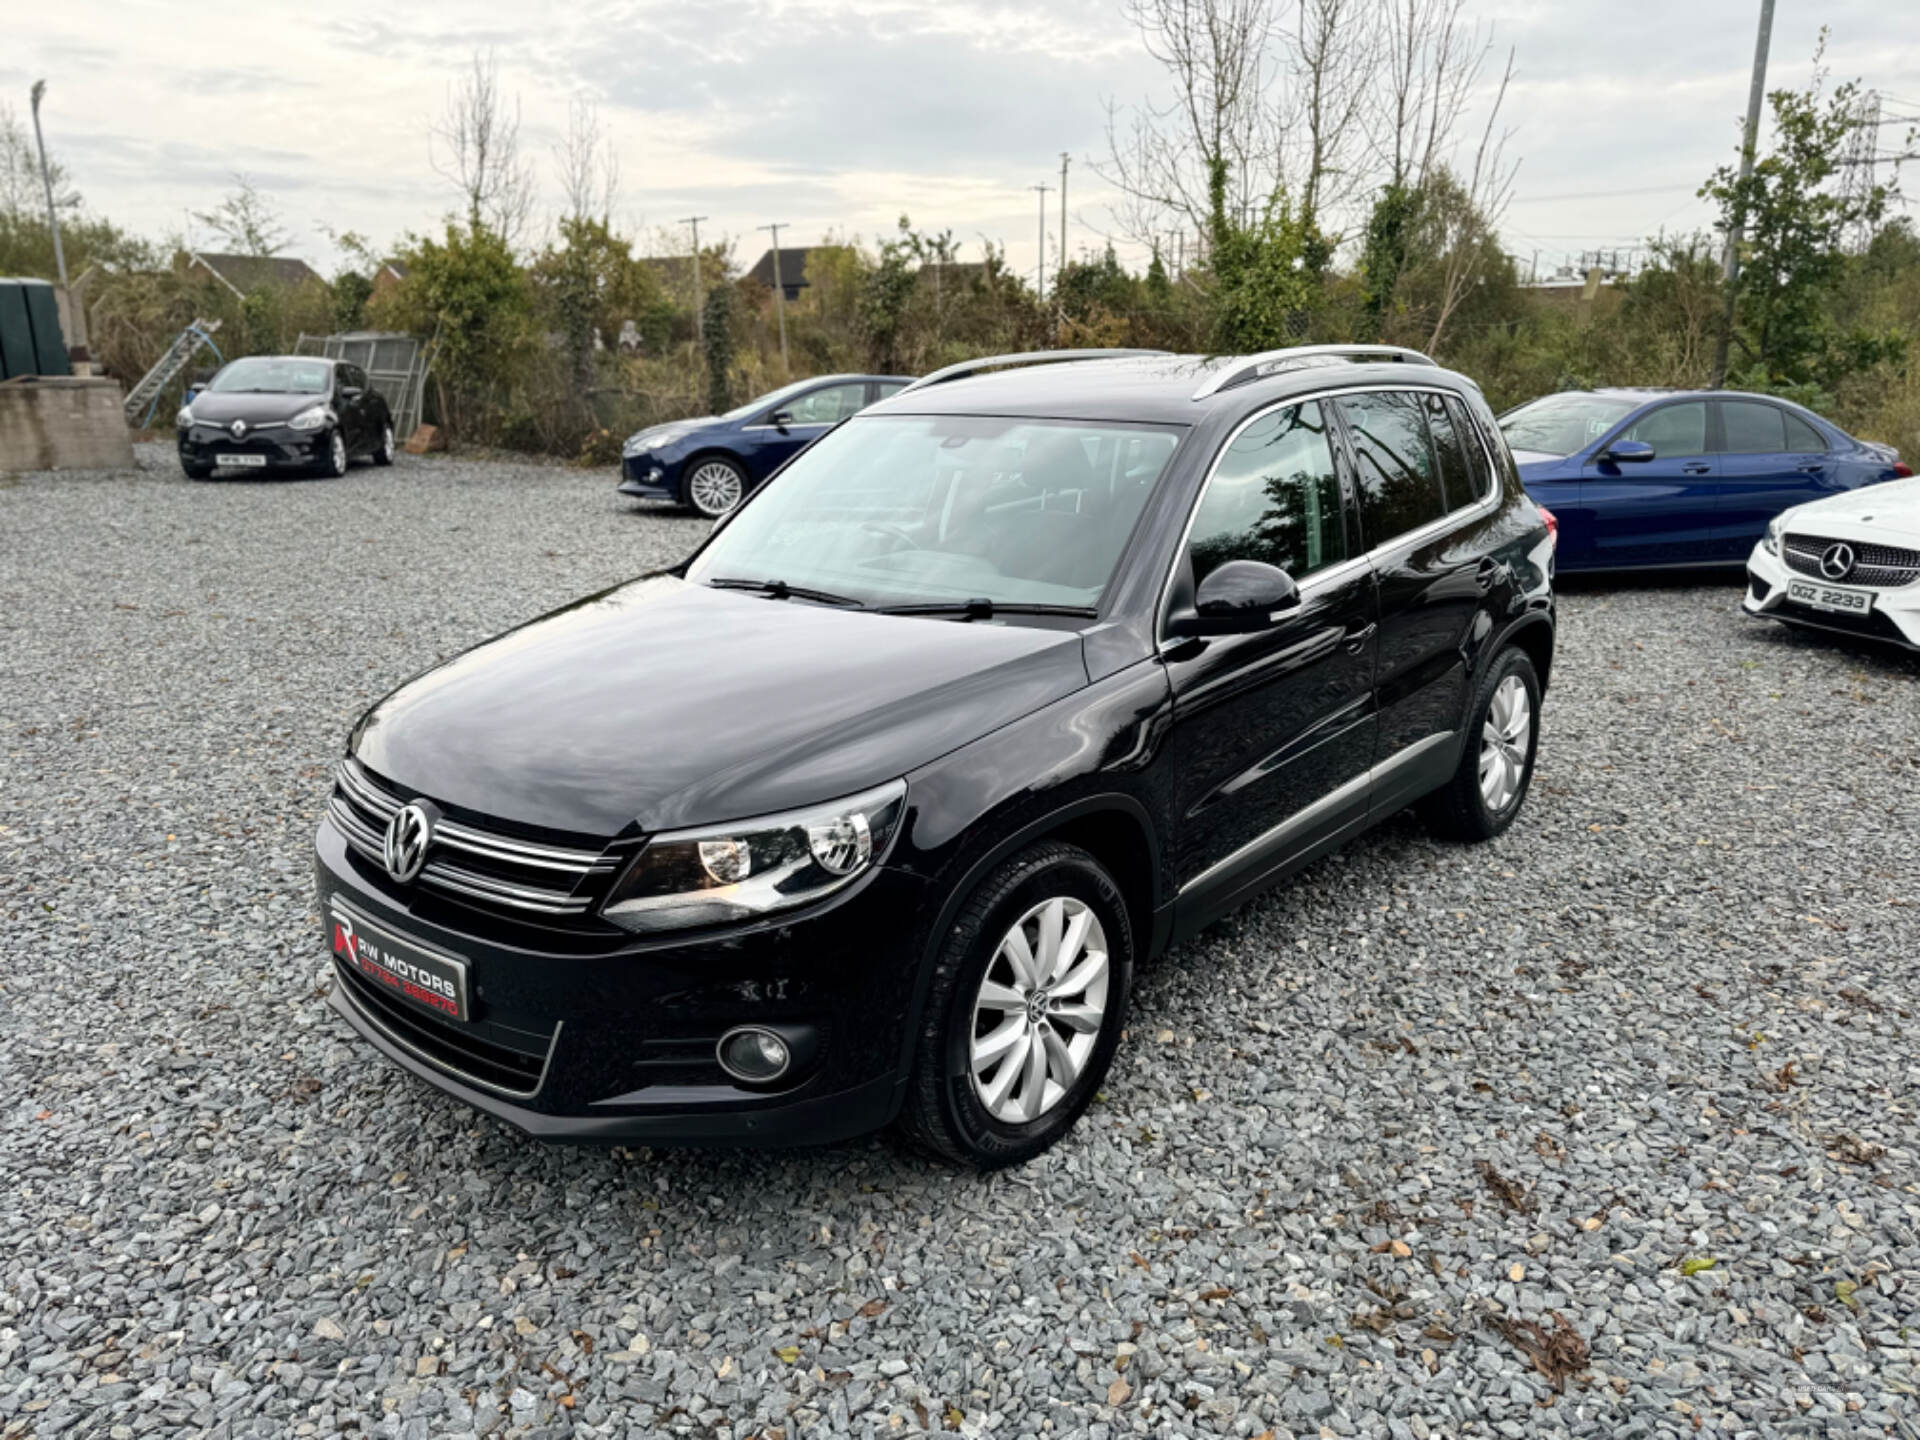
(836, 116)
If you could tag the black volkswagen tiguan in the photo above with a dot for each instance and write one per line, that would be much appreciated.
(867, 812)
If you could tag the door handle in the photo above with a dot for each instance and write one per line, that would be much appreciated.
(1489, 572)
(1696, 469)
(1356, 639)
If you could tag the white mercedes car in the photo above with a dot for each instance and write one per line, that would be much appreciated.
(1850, 563)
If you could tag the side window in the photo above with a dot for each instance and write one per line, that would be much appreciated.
(1399, 485)
(1753, 428)
(1274, 497)
(828, 406)
(888, 388)
(1672, 430)
(1802, 438)
(1473, 441)
(1451, 444)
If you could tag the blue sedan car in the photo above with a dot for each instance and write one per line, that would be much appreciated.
(708, 464)
(1645, 478)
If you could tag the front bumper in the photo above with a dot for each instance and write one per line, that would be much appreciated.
(645, 477)
(282, 448)
(1894, 619)
(585, 1035)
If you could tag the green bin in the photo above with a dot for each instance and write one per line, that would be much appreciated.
(16, 332)
(43, 314)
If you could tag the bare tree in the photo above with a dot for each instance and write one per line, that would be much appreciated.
(20, 188)
(1430, 59)
(247, 221)
(1334, 46)
(1166, 160)
(589, 170)
(1465, 233)
(482, 144)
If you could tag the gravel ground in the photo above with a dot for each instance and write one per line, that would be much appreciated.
(1646, 1064)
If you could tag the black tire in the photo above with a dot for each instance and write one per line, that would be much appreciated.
(195, 471)
(1460, 810)
(943, 1112)
(335, 464)
(383, 451)
(695, 495)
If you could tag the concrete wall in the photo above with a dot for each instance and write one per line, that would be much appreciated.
(63, 423)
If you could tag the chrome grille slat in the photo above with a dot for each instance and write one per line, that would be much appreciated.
(562, 881)
(1883, 567)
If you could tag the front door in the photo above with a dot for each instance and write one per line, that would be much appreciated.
(1770, 459)
(1273, 731)
(805, 419)
(1660, 511)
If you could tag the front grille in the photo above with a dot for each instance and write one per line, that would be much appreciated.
(481, 867)
(1885, 567)
(461, 1052)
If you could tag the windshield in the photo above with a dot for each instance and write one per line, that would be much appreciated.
(940, 509)
(753, 407)
(1562, 424)
(262, 376)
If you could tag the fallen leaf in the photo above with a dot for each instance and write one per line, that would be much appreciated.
(871, 1308)
(1516, 1271)
(1401, 1248)
(788, 1353)
(1557, 1355)
(1138, 1259)
(1118, 1391)
(1219, 1292)
(955, 1419)
(1694, 1264)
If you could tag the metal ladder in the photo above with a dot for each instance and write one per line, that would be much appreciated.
(179, 355)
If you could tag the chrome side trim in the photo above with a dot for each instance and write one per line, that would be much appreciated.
(1479, 510)
(1301, 821)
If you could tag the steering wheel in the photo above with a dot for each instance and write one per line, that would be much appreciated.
(892, 531)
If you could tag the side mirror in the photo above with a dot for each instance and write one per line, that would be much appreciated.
(193, 391)
(781, 419)
(1628, 452)
(1239, 598)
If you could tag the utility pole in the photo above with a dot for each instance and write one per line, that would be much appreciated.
(1040, 274)
(1749, 143)
(1059, 300)
(699, 308)
(46, 179)
(780, 293)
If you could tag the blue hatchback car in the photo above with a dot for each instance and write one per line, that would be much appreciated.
(708, 464)
(1644, 478)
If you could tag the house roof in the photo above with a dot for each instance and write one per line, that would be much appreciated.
(246, 273)
(793, 266)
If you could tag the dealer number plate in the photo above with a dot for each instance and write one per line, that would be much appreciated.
(401, 968)
(1828, 597)
(243, 461)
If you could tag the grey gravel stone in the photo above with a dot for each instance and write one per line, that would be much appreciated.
(1672, 1010)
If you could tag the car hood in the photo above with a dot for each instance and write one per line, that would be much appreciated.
(660, 704)
(652, 433)
(221, 408)
(1888, 512)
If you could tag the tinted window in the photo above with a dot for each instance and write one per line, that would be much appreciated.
(829, 406)
(1803, 439)
(274, 376)
(1672, 429)
(1450, 451)
(1274, 497)
(907, 509)
(1473, 441)
(1752, 428)
(1399, 486)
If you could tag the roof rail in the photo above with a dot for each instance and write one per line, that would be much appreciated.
(1026, 357)
(1244, 369)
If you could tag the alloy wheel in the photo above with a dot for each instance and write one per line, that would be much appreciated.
(714, 488)
(386, 444)
(1039, 1012)
(1505, 738)
(339, 453)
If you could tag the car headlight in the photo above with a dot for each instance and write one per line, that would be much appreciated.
(184, 418)
(317, 417)
(722, 874)
(1771, 541)
(652, 440)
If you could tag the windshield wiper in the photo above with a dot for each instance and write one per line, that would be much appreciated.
(781, 590)
(984, 609)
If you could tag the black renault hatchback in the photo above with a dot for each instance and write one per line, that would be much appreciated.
(868, 811)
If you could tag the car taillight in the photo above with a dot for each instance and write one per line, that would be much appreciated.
(1553, 527)
(1902, 470)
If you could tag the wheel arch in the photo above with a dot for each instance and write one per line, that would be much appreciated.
(1533, 633)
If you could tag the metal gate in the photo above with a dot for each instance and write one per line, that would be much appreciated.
(396, 366)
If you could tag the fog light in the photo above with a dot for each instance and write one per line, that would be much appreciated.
(753, 1055)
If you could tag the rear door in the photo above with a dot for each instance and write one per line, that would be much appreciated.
(1661, 511)
(1424, 484)
(1770, 459)
(1273, 732)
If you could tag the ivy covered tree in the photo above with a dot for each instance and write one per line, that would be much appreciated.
(716, 336)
